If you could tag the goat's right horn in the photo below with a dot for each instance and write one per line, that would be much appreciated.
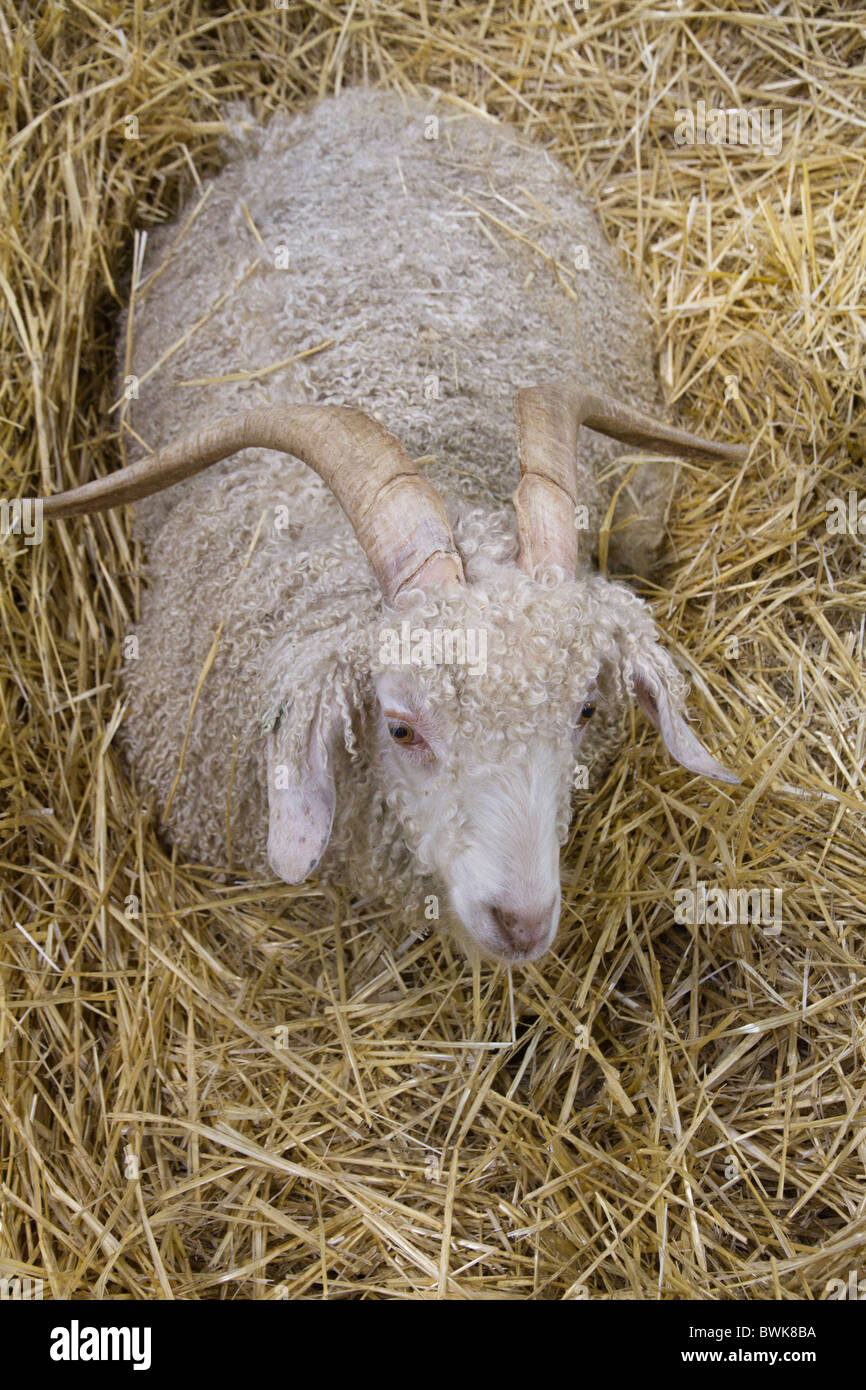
(397, 515)
(548, 422)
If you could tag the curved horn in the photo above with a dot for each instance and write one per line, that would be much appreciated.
(548, 421)
(396, 513)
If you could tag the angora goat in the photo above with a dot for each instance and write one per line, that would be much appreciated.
(409, 723)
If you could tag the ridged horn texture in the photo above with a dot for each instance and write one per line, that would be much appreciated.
(397, 515)
(548, 421)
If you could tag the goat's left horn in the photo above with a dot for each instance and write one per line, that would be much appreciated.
(548, 422)
(397, 515)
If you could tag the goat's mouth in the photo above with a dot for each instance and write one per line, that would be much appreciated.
(521, 957)
(507, 936)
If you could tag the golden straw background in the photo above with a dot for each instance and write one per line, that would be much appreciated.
(318, 1104)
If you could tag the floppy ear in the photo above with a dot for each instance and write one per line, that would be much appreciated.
(302, 797)
(654, 698)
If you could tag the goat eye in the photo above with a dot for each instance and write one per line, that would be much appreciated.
(404, 734)
(587, 712)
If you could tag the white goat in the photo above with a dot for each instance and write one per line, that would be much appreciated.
(409, 726)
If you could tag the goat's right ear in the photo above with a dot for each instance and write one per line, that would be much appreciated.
(655, 700)
(301, 802)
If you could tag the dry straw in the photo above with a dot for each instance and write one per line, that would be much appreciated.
(219, 1089)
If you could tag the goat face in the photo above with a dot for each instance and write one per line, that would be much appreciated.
(482, 799)
(489, 699)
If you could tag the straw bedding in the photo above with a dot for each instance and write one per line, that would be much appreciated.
(220, 1088)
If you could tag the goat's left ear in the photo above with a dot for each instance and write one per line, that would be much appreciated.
(302, 800)
(655, 701)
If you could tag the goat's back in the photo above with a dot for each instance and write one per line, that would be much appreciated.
(428, 261)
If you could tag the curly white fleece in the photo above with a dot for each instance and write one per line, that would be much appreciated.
(388, 253)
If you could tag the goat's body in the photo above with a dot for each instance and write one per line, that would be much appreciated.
(364, 234)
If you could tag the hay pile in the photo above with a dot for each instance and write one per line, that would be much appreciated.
(248, 1091)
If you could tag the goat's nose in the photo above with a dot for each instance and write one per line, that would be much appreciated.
(522, 930)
